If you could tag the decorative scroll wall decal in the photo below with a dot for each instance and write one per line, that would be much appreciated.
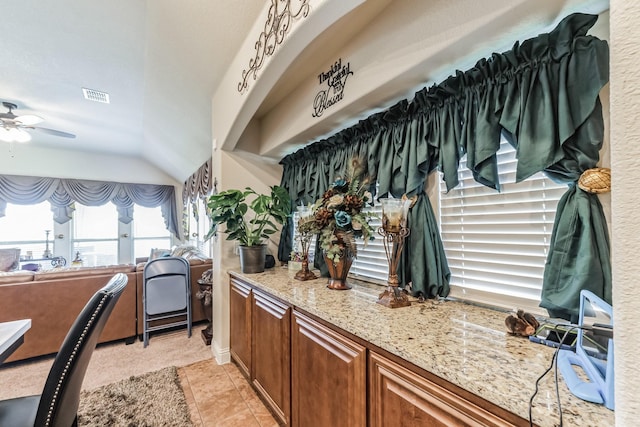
(278, 23)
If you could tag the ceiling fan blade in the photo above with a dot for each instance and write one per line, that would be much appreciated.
(29, 119)
(53, 132)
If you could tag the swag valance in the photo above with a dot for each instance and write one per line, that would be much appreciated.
(199, 184)
(62, 193)
(543, 96)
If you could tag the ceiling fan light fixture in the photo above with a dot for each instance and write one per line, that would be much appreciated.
(5, 135)
(21, 135)
(29, 119)
(14, 135)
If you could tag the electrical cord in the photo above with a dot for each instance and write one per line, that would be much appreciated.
(554, 366)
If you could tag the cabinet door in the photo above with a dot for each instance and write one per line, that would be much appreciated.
(271, 356)
(328, 374)
(400, 397)
(240, 325)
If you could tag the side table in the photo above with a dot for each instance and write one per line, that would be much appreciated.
(204, 295)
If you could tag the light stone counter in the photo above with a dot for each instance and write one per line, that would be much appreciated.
(461, 343)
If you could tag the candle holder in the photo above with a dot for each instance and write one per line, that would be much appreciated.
(305, 232)
(393, 232)
(47, 252)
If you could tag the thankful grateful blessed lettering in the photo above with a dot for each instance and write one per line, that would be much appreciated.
(335, 79)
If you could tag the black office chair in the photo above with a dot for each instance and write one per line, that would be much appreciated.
(166, 294)
(57, 406)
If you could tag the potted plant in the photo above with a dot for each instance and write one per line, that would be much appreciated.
(250, 219)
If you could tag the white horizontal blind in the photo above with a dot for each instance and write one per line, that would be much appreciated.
(371, 263)
(497, 242)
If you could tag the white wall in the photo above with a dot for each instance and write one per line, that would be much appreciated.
(30, 160)
(625, 177)
(233, 171)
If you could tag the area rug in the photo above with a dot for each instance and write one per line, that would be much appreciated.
(154, 399)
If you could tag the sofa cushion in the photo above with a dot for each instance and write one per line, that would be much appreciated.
(159, 253)
(16, 276)
(58, 273)
(124, 268)
(9, 259)
(188, 252)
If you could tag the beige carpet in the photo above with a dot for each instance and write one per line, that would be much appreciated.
(154, 399)
(111, 362)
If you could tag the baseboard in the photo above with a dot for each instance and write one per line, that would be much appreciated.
(222, 355)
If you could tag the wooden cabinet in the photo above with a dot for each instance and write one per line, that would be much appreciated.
(271, 353)
(400, 397)
(240, 301)
(328, 374)
(312, 374)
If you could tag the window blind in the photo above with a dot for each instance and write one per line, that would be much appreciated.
(497, 242)
(371, 263)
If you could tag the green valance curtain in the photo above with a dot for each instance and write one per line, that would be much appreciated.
(542, 95)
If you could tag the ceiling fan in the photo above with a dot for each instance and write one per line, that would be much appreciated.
(12, 127)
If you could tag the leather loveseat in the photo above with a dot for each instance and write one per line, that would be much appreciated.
(53, 299)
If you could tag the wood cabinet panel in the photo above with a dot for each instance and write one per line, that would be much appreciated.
(328, 374)
(400, 397)
(240, 302)
(271, 353)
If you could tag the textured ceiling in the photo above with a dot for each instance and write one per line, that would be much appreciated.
(159, 60)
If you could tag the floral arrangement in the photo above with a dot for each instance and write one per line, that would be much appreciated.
(295, 256)
(337, 216)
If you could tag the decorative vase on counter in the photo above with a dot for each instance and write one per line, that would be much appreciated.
(339, 270)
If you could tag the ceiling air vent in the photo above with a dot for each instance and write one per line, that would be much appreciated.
(95, 95)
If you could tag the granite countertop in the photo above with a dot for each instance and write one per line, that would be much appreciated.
(462, 343)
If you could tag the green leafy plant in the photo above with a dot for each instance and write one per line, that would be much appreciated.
(250, 222)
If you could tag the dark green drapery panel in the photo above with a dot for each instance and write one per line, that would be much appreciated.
(405, 161)
(579, 253)
(579, 237)
(430, 277)
(542, 95)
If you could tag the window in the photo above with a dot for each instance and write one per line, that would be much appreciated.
(497, 242)
(199, 225)
(371, 263)
(25, 226)
(149, 231)
(95, 234)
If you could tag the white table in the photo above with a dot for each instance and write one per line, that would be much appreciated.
(12, 336)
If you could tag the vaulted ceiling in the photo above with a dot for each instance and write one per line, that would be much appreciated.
(159, 60)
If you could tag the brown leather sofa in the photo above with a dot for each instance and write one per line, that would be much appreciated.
(53, 299)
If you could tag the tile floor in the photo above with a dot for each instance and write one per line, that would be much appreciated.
(220, 396)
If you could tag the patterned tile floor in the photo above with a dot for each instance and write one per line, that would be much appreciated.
(218, 395)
